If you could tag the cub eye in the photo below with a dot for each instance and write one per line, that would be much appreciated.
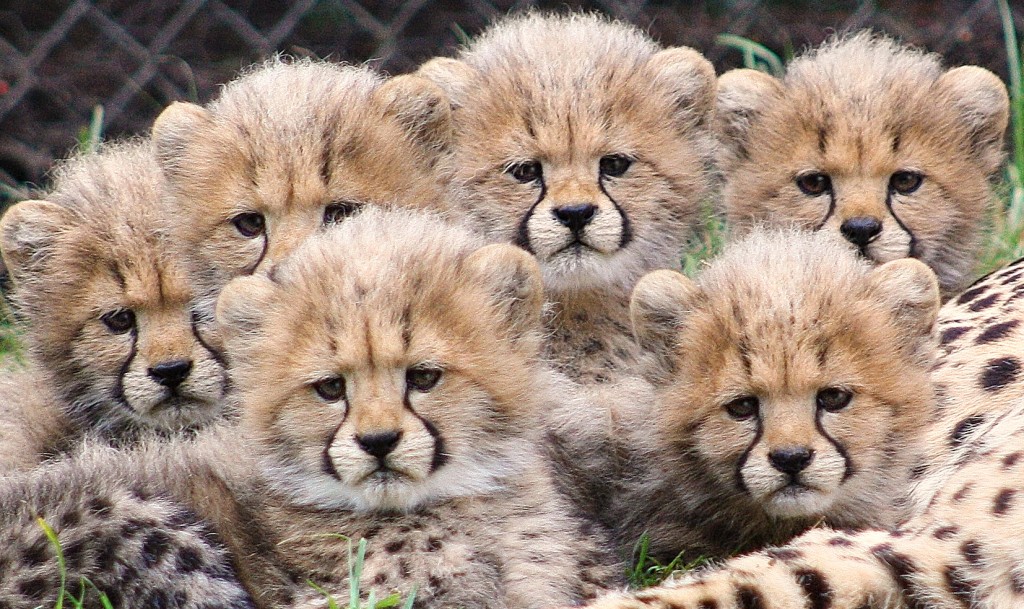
(905, 182)
(814, 184)
(249, 224)
(743, 408)
(119, 321)
(330, 389)
(614, 165)
(833, 399)
(529, 171)
(339, 211)
(422, 378)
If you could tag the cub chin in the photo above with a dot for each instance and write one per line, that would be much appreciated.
(791, 383)
(871, 141)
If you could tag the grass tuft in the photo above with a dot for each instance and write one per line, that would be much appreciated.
(355, 573)
(84, 584)
(647, 571)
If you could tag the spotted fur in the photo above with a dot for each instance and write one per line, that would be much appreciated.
(870, 140)
(961, 545)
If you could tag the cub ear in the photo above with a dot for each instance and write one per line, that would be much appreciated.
(452, 75)
(660, 303)
(243, 304)
(421, 107)
(743, 94)
(512, 277)
(911, 291)
(690, 79)
(984, 107)
(28, 233)
(174, 131)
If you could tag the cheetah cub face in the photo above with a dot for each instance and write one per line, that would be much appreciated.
(872, 142)
(379, 377)
(106, 301)
(793, 374)
(290, 148)
(580, 140)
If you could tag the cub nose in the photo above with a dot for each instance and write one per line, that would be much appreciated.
(791, 459)
(380, 443)
(172, 373)
(861, 230)
(575, 216)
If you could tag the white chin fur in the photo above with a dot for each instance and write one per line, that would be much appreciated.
(797, 502)
(460, 477)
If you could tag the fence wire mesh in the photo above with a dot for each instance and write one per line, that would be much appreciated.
(61, 59)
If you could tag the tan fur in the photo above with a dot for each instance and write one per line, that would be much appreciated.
(782, 319)
(961, 544)
(859, 110)
(461, 506)
(297, 145)
(33, 427)
(96, 247)
(567, 92)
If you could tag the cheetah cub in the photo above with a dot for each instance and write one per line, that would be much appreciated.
(585, 143)
(791, 385)
(388, 380)
(289, 148)
(871, 140)
(105, 303)
(390, 371)
(961, 545)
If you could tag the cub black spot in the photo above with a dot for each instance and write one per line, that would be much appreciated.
(943, 533)
(997, 332)
(971, 294)
(951, 334)
(984, 303)
(189, 560)
(963, 428)
(784, 553)
(959, 584)
(971, 551)
(748, 597)
(154, 547)
(1003, 501)
(816, 587)
(999, 373)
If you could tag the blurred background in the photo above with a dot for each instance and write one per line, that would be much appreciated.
(80, 69)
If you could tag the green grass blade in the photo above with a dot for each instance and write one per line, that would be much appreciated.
(1016, 101)
(52, 536)
(756, 56)
(411, 598)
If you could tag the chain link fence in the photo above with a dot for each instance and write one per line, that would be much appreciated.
(59, 60)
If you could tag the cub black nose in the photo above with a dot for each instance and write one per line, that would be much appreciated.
(575, 216)
(861, 230)
(172, 373)
(380, 443)
(791, 459)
